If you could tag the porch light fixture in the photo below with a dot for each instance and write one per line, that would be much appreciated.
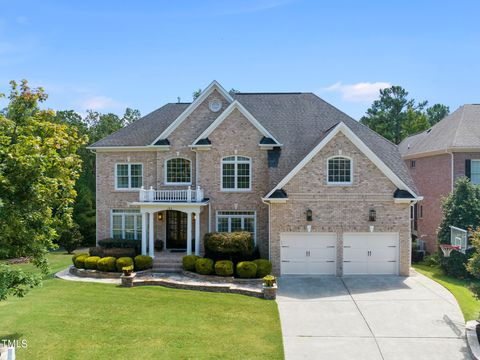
(194, 216)
(372, 215)
(309, 215)
(160, 216)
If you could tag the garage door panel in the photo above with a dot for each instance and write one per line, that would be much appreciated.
(386, 254)
(323, 254)
(294, 267)
(382, 241)
(321, 267)
(292, 242)
(382, 268)
(352, 254)
(355, 267)
(293, 253)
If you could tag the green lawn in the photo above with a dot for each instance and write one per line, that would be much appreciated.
(458, 287)
(73, 320)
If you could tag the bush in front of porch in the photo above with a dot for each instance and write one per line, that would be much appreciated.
(234, 246)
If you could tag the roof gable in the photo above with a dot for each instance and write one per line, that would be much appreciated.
(341, 127)
(235, 105)
(191, 108)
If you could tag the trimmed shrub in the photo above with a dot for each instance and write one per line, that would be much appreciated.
(77, 255)
(188, 262)
(91, 262)
(121, 244)
(264, 267)
(204, 266)
(224, 268)
(234, 243)
(246, 270)
(107, 264)
(122, 262)
(143, 262)
(79, 261)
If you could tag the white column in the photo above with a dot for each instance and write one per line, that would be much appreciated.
(189, 233)
(144, 233)
(151, 250)
(197, 233)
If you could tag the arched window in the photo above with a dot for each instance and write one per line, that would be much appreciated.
(236, 173)
(339, 170)
(178, 171)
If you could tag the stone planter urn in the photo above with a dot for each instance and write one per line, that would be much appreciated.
(127, 280)
(270, 292)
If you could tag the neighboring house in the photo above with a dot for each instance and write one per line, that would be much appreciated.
(321, 193)
(436, 158)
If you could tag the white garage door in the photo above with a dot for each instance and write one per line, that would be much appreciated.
(370, 253)
(308, 253)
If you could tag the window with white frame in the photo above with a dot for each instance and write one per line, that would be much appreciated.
(126, 224)
(475, 172)
(339, 170)
(128, 176)
(236, 173)
(178, 171)
(230, 221)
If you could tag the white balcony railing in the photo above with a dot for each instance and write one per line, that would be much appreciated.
(187, 195)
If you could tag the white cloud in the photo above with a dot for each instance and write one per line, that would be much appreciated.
(99, 103)
(359, 92)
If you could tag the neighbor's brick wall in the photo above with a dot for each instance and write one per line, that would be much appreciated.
(432, 176)
(236, 136)
(107, 197)
(340, 208)
(459, 163)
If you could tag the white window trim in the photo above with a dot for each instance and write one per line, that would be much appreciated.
(337, 183)
(165, 171)
(253, 216)
(129, 188)
(122, 214)
(236, 162)
(471, 167)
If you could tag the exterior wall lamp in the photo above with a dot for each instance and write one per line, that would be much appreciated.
(309, 215)
(160, 216)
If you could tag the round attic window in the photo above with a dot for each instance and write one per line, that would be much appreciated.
(215, 105)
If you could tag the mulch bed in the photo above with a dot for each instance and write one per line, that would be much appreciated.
(20, 260)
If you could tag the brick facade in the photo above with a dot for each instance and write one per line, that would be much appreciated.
(340, 209)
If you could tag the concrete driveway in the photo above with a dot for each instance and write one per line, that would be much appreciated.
(370, 317)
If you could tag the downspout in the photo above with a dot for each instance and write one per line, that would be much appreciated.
(451, 165)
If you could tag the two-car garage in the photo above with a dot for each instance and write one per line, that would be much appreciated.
(313, 253)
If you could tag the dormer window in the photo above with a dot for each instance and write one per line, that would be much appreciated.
(340, 171)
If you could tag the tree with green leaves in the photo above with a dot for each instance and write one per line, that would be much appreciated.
(395, 116)
(39, 165)
(196, 94)
(461, 209)
(436, 113)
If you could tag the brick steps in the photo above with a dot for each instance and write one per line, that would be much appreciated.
(167, 262)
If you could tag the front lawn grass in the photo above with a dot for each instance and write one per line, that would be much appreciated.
(77, 320)
(458, 287)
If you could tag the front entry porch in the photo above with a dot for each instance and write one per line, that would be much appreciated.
(182, 227)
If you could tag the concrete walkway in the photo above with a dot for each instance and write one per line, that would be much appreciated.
(370, 317)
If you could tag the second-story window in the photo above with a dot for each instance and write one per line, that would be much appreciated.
(129, 176)
(236, 173)
(178, 172)
(339, 170)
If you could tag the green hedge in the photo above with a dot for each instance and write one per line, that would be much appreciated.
(188, 262)
(79, 261)
(91, 262)
(204, 266)
(143, 262)
(264, 267)
(224, 268)
(122, 262)
(246, 269)
(240, 242)
(107, 264)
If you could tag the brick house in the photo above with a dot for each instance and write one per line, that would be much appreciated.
(436, 158)
(321, 193)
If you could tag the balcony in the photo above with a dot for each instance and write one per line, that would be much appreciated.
(171, 196)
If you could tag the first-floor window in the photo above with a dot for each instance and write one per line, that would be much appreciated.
(230, 221)
(475, 172)
(126, 224)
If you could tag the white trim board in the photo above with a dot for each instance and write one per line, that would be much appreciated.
(236, 105)
(204, 94)
(341, 127)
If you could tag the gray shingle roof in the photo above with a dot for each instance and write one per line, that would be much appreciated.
(460, 129)
(299, 121)
(145, 130)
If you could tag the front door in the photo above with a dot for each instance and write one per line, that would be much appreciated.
(176, 230)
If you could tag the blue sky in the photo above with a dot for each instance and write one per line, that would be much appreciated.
(106, 55)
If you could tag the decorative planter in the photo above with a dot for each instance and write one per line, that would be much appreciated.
(472, 339)
(270, 292)
(127, 280)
